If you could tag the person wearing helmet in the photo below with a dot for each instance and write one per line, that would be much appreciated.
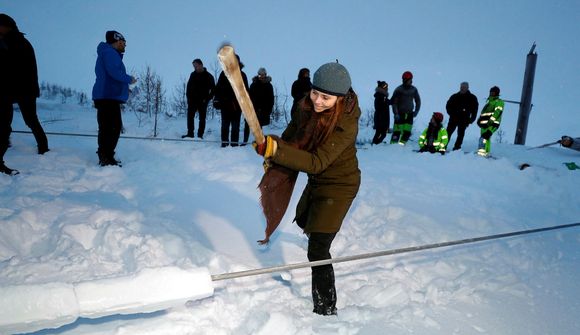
(570, 143)
(406, 105)
(319, 141)
(434, 138)
(489, 120)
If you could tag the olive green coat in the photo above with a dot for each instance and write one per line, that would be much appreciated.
(333, 173)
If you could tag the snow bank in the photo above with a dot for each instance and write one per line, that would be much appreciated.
(27, 308)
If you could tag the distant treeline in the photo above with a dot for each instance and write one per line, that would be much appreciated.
(63, 94)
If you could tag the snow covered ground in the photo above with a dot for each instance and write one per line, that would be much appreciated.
(189, 204)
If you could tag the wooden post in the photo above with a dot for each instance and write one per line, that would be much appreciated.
(526, 100)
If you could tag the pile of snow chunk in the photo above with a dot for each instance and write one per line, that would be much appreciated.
(28, 308)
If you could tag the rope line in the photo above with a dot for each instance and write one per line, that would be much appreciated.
(293, 266)
(126, 137)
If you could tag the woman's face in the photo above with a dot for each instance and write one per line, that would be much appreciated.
(322, 101)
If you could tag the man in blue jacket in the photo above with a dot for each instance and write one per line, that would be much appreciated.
(111, 89)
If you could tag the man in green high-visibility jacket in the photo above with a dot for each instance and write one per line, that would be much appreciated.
(489, 120)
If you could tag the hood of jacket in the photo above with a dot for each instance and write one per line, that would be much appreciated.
(104, 48)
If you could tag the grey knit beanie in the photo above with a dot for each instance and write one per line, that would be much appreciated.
(332, 78)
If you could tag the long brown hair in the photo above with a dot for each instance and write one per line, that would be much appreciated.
(316, 128)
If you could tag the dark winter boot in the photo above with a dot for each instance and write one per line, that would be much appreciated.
(106, 160)
(6, 170)
(323, 290)
(187, 135)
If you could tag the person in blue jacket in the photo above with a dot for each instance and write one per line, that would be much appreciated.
(111, 89)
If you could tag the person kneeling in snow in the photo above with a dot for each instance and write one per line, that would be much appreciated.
(434, 138)
(570, 143)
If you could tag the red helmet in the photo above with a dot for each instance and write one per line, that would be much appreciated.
(438, 117)
(407, 75)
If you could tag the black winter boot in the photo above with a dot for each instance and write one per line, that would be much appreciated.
(6, 170)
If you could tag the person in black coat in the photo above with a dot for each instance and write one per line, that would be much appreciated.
(381, 117)
(262, 95)
(462, 110)
(200, 87)
(301, 86)
(18, 84)
(225, 100)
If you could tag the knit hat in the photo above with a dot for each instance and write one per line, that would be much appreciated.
(332, 78)
(113, 36)
(7, 21)
(262, 71)
(438, 117)
(381, 83)
(494, 89)
(407, 75)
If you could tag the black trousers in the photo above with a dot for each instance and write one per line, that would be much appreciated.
(323, 290)
(110, 125)
(380, 135)
(28, 109)
(461, 126)
(230, 120)
(199, 107)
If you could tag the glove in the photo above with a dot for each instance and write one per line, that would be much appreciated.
(267, 148)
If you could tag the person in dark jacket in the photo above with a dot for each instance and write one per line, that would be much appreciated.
(225, 100)
(301, 87)
(381, 117)
(262, 96)
(199, 92)
(404, 111)
(462, 110)
(320, 141)
(110, 90)
(18, 84)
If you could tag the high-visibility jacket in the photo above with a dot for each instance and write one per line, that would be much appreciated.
(427, 140)
(490, 117)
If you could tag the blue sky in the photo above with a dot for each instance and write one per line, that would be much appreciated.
(441, 42)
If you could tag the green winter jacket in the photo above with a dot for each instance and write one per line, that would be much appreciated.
(491, 113)
(333, 173)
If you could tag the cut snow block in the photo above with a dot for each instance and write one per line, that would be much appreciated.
(28, 308)
(147, 291)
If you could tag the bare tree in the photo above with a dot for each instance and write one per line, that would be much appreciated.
(147, 99)
(179, 101)
(280, 106)
(159, 103)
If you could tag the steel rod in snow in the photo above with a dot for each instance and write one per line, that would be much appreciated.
(294, 266)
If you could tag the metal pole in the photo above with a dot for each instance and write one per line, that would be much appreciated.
(280, 268)
(526, 100)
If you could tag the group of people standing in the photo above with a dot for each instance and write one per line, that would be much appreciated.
(201, 88)
(461, 107)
